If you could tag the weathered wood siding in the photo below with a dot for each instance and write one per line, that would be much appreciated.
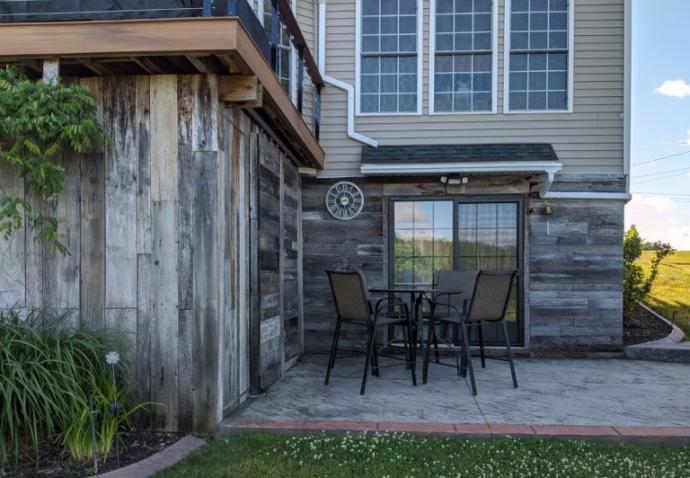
(572, 270)
(158, 226)
(278, 318)
(590, 140)
(329, 243)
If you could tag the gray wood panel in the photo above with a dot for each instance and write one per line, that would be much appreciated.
(119, 96)
(159, 228)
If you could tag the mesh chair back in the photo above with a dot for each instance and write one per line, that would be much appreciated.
(451, 281)
(490, 297)
(350, 295)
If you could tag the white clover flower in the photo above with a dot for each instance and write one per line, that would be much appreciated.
(112, 358)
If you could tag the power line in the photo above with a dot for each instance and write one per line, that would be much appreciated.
(660, 173)
(660, 194)
(661, 158)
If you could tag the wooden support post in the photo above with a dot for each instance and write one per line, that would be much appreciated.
(51, 70)
(244, 90)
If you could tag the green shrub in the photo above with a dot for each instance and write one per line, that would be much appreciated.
(40, 122)
(636, 287)
(48, 372)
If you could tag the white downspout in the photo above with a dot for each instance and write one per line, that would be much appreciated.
(348, 88)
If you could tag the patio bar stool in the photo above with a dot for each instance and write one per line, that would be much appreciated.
(354, 307)
(488, 304)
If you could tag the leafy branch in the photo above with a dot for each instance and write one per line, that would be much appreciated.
(40, 123)
(637, 287)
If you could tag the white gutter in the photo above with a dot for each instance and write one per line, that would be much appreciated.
(586, 195)
(627, 91)
(348, 88)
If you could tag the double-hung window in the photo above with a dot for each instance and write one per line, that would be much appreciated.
(283, 47)
(539, 55)
(463, 56)
(388, 62)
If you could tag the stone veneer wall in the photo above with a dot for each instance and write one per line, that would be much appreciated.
(573, 271)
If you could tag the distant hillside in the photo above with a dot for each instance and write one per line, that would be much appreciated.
(671, 292)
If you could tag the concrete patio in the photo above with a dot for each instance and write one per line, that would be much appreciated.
(589, 393)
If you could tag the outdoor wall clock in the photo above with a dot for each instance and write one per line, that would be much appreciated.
(344, 200)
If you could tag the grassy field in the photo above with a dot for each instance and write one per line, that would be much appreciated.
(363, 456)
(671, 292)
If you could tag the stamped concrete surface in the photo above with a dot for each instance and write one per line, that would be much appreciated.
(620, 393)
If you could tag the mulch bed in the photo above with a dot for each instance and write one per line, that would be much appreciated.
(643, 327)
(54, 459)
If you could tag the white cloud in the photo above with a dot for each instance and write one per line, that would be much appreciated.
(659, 218)
(674, 88)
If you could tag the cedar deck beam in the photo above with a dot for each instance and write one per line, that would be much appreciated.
(137, 39)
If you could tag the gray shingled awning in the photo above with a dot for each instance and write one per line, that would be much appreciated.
(461, 159)
(458, 153)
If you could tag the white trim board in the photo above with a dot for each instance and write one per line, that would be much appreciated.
(420, 62)
(506, 63)
(586, 195)
(494, 63)
(382, 169)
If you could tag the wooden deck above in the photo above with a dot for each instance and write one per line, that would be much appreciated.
(212, 45)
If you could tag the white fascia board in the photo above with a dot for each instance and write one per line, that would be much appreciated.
(627, 91)
(393, 169)
(586, 195)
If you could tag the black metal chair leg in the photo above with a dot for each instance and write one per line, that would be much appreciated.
(406, 347)
(370, 349)
(427, 349)
(468, 358)
(334, 350)
(510, 354)
(411, 348)
(436, 356)
(481, 344)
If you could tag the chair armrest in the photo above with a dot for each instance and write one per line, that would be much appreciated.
(389, 297)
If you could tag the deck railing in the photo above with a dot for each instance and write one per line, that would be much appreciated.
(308, 97)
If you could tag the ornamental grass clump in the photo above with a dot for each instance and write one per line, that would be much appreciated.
(50, 373)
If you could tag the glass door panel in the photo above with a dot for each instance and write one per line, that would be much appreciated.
(488, 235)
(423, 242)
(452, 234)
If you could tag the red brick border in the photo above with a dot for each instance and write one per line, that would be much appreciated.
(478, 430)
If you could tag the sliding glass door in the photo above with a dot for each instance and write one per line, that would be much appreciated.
(431, 235)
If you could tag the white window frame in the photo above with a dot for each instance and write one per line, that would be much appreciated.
(571, 63)
(293, 51)
(494, 63)
(420, 62)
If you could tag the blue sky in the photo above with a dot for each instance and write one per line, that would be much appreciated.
(661, 121)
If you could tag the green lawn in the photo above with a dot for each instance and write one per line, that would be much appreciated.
(395, 455)
(671, 291)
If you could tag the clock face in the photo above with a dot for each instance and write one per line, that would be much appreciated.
(344, 200)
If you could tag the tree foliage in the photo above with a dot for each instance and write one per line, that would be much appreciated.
(41, 122)
(636, 287)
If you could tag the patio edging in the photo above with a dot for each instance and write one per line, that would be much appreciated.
(158, 461)
(470, 430)
(665, 349)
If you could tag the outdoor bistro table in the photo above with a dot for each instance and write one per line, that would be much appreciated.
(416, 298)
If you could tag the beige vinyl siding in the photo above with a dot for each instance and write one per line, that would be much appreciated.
(306, 12)
(589, 140)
